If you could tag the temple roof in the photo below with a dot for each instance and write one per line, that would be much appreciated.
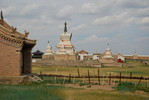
(10, 36)
(37, 52)
(83, 52)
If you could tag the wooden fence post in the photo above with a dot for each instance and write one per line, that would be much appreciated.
(74, 80)
(78, 72)
(64, 80)
(69, 78)
(41, 75)
(103, 80)
(130, 75)
(55, 79)
(139, 80)
(110, 78)
(98, 77)
(147, 83)
(83, 79)
(55, 75)
(89, 77)
(120, 79)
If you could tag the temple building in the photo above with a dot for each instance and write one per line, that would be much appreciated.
(82, 55)
(37, 54)
(15, 51)
(65, 49)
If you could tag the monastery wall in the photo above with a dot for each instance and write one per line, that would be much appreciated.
(143, 58)
(73, 63)
(104, 60)
(59, 57)
(10, 61)
(113, 64)
(139, 57)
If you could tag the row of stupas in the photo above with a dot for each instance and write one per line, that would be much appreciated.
(65, 49)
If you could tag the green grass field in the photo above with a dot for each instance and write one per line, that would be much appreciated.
(137, 70)
(47, 90)
(51, 92)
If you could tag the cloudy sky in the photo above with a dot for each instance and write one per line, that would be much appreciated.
(124, 24)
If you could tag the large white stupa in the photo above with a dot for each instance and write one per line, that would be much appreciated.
(65, 46)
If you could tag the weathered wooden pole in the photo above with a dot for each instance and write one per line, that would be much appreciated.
(74, 80)
(139, 80)
(110, 78)
(55, 75)
(130, 75)
(120, 79)
(98, 77)
(103, 81)
(78, 72)
(64, 80)
(69, 78)
(41, 75)
(147, 84)
(89, 77)
(83, 79)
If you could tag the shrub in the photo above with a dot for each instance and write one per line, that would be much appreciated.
(128, 86)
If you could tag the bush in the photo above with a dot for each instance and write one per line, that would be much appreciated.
(128, 86)
(82, 84)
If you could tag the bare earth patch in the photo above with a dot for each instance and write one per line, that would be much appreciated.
(92, 87)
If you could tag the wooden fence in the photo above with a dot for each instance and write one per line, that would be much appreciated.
(98, 76)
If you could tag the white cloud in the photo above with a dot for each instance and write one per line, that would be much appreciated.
(66, 11)
(141, 39)
(9, 10)
(43, 19)
(122, 18)
(104, 20)
(81, 26)
(93, 38)
(133, 3)
(144, 20)
(142, 12)
(29, 9)
(89, 8)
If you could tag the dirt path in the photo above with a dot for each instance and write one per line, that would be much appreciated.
(89, 87)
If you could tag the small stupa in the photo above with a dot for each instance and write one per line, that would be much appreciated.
(108, 53)
(48, 51)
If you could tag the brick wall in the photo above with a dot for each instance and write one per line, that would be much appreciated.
(139, 57)
(10, 61)
(65, 57)
(72, 63)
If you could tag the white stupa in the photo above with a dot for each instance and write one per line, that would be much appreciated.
(65, 46)
(108, 53)
(48, 50)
